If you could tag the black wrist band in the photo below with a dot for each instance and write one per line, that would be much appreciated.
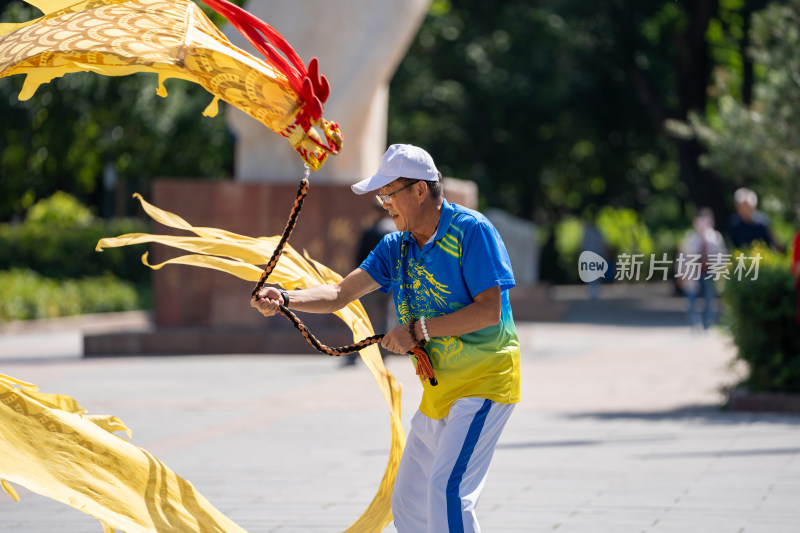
(285, 295)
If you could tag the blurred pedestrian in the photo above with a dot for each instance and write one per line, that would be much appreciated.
(701, 253)
(748, 225)
(593, 241)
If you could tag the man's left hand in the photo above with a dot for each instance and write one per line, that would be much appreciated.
(398, 340)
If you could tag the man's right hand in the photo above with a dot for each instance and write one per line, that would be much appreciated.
(267, 301)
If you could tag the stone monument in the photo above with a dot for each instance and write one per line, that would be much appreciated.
(359, 44)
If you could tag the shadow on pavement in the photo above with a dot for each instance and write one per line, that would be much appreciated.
(704, 414)
(579, 442)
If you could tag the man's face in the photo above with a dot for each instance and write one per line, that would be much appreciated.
(401, 206)
(745, 210)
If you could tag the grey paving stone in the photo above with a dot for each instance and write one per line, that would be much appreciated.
(619, 431)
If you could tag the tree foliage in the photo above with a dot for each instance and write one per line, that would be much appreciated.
(556, 106)
(527, 100)
(757, 143)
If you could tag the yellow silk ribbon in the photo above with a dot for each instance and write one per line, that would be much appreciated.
(49, 445)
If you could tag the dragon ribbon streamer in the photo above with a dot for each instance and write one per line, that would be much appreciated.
(174, 39)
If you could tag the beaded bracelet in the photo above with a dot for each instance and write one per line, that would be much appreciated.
(424, 329)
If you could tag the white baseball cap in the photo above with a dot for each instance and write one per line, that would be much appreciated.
(400, 161)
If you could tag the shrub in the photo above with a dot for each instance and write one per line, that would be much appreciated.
(27, 295)
(568, 235)
(60, 209)
(49, 266)
(62, 252)
(624, 232)
(622, 229)
(761, 315)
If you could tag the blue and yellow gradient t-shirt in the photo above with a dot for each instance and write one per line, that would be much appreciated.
(466, 257)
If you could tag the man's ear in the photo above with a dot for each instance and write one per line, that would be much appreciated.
(422, 192)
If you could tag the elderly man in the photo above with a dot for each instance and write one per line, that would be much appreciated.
(748, 225)
(449, 274)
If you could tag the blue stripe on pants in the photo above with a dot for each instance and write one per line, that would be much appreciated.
(454, 519)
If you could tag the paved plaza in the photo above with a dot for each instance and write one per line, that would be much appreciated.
(620, 431)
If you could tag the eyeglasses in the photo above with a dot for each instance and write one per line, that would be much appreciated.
(387, 198)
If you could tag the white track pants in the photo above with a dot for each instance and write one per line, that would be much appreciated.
(444, 467)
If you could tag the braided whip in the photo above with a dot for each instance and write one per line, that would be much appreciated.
(424, 367)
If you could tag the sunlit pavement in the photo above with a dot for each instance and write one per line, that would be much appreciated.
(620, 430)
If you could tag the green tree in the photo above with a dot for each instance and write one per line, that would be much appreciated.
(756, 142)
(554, 106)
